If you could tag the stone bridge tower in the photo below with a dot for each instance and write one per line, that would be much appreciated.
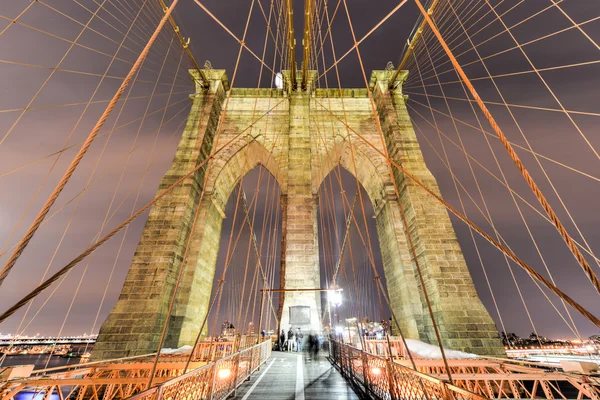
(297, 135)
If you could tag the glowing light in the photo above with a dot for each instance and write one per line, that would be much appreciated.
(376, 371)
(224, 373)
(339, 330)
(335, 297)
(279, 81)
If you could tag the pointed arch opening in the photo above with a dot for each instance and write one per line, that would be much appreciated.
(350, 255)
(235, 250)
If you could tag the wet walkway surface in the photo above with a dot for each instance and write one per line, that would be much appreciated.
(293, 376)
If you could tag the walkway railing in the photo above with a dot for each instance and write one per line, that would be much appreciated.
(214, 381)
(384, 377)
(210, 350)
(383, 347)
(380, 378)
(122, 378)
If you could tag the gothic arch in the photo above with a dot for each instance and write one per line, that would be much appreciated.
(228, 168)
(371, 170)
(235, 162)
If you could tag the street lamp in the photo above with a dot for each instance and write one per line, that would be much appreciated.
(334, 296)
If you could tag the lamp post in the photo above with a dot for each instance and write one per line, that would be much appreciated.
(334, 298)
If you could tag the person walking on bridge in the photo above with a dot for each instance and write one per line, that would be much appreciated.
(299, 338)
(290, 340)
(282, 340)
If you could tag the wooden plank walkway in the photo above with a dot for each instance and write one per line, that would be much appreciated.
(292, 376)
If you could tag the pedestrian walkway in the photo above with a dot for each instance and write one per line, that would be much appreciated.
(292, 376)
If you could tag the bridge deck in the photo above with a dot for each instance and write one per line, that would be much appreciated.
(292, 376)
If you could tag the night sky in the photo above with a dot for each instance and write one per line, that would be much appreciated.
(32, 47)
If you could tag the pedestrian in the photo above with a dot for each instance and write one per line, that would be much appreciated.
(313, 346)
(281, 340)
(299, 337)
(290, 340)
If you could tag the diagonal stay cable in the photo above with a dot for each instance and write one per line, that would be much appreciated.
(240, 41)
(412, 247)
(516, 145)
(69, 172)
(473, 159)
(528, 178)
(355, 45)
(462, 186)
(100, 242)
(481, 232)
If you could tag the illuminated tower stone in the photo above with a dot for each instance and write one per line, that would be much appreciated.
(298, 136)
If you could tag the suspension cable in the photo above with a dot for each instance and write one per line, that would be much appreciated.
(538, 194)
(69, 172)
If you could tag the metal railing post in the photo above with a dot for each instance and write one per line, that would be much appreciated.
(391, 381)
(236, 373)
(251, 369)
(349, 361)
(366, 371)
(213, 380)
(159, 392)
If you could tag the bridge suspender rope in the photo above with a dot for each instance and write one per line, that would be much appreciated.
(368, 241)
(513, 155)
(219, 290)
(489, 217)
(351, 217)
(291, 40)
(401, 206)
(593, 319)
(580, 310)
(347, 208)
(197, 210)
(35, 292)
(358, 311)
(350, 210)
(71, 169)
(92, 248)
(485, 211)
(571, 325)
(509, 253)
(185, 44)
(306, 41)
(411, 45)
(344, 241)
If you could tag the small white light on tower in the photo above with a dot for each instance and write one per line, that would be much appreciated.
(279, 80)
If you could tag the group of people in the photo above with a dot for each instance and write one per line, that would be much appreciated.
(291, 342)
(294, 341)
